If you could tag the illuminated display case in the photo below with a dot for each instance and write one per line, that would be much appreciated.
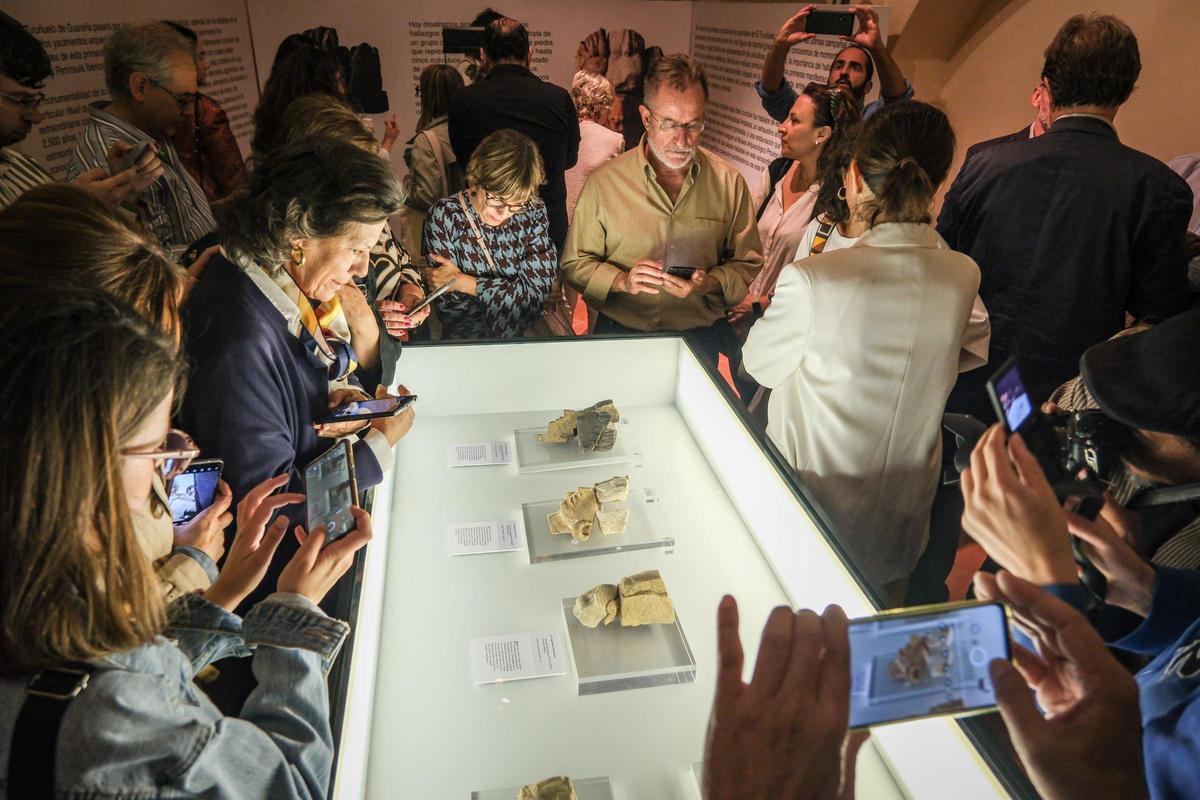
(411, 721)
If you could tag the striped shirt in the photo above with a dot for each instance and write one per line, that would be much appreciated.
(174, 206)
(18, 174)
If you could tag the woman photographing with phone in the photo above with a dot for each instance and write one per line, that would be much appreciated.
(80, 605)
(264, 367)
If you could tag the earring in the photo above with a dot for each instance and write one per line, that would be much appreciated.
(841, 193)
(297, 255)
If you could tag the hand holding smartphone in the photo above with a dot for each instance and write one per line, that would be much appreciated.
(331, 492)
(927, 661)
(357, 410)
(194, 489)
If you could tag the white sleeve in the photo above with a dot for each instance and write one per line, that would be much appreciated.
(976, 338)
(776, 343)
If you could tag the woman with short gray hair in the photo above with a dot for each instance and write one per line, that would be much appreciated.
(264, 366)
(593, 97)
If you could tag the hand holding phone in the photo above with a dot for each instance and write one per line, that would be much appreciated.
(357, 410)
(134, 154)
(194, 489)
(331, 491)
(927, 661)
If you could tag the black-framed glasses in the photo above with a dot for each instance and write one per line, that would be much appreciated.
(670, 126)
(497, 203)
(27, 102)
(184, 99)
(177, 452)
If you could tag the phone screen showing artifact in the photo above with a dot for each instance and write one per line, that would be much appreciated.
(193, 491)
(906, 667)
(1014, 401)
(329, 487)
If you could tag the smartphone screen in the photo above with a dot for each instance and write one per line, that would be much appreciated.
(1009, 396)
(330, 492)
(383, 405)
(830, 23)
(925, 664)
(193, 490)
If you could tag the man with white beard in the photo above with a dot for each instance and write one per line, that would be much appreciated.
(664, 237)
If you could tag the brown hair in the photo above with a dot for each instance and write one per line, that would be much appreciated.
(679, 71)
(507, 164)
(74, 582)
(325, 115)
(62, 234)
(312, 188)
(439, 83)
(1093, 61)
(903, 152)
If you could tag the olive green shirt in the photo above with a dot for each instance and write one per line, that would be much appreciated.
(624, 215)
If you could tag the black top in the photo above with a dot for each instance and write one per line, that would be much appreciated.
(511, 96)
(1070, 230)
(977, 148)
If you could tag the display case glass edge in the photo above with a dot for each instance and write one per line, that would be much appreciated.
(992, 754)
(360, 656)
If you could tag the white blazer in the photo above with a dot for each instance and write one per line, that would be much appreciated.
(861, 347)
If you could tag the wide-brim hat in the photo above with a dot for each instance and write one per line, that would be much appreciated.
(1150, 380)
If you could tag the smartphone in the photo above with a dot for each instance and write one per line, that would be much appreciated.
(194, 489)
(1009, 397)
(682, 272)
(369, 409)
(927, 661)
(429, 298)
(133, 155)
(830, 23)
(331, 492)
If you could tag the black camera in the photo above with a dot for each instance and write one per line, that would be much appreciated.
(1078, 451)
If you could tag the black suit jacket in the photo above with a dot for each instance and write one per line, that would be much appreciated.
(510, 96)
(1070, 230)
(979, 147)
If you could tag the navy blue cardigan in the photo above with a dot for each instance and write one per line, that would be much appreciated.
(253, 393)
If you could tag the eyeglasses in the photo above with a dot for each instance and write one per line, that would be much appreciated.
(27, 102)
(177, 452)
(498, 204)
(670, 126)
(184, 99)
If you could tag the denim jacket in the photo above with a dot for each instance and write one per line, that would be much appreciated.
(142, 729)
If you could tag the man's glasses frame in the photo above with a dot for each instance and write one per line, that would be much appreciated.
(670, 126)
(26, 102)
(183, 99)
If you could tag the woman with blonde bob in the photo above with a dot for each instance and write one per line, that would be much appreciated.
(492, 245)
(84, 633)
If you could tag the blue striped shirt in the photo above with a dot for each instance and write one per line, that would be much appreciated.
(174, 206)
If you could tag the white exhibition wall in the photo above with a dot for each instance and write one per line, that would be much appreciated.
(730, 39)
(74, 32)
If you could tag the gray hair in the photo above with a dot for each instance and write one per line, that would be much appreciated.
(592, 94)
(141, 48)
(679, 71)
(311, 188)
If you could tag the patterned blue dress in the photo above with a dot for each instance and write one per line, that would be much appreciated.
(511, 299)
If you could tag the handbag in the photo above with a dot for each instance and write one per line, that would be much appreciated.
(411, 221)
(554, 319)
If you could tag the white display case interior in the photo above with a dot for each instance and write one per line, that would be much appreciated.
(414, 722)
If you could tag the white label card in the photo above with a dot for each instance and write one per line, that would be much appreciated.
(516, 656)
(480, 454)
(465, 538)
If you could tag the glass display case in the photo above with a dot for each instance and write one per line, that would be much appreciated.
(725, 517)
